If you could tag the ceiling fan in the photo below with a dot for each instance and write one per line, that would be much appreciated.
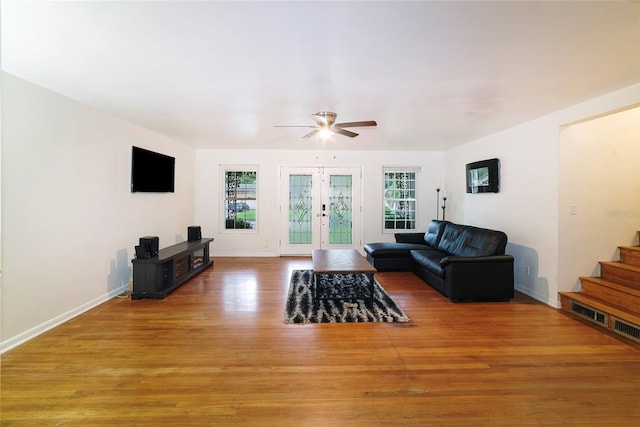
(326, 125)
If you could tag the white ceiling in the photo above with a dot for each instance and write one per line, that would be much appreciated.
(217, 74)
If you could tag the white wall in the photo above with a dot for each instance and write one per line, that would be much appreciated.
(1, 84)
(209, 191)
(600, 179)
(69, 220)
(527, 207)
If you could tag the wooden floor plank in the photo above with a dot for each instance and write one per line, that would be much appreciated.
(215, 352)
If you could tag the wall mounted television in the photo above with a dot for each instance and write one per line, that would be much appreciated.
(483, 176)
(151, 172)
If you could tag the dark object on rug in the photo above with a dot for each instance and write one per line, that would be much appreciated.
(302, 307)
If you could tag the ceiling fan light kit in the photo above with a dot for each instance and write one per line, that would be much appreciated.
(326, 125)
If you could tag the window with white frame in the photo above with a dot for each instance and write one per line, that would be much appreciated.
(399, 198)
(240, 197)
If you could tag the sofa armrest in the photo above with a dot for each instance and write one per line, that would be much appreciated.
(410, 238)
(475, 259)
(478, 278)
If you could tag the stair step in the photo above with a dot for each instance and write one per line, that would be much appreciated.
(617, 294)
(616, 271)
(630, 255)
(602, 314)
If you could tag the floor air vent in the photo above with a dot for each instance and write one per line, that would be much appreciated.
(626, 329)
(589, 313)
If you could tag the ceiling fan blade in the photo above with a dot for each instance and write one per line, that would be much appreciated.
(285, 126)
(310, 134)
(356, 124)
(345, 132)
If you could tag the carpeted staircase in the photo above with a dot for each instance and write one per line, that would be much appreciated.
(611, 301)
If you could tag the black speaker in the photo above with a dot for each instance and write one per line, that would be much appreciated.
(140, 254)
(194, 233)
(150, 245)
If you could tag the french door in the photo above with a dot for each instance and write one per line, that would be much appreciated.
(320, 208)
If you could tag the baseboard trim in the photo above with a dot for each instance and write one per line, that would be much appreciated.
(40, 329)
(244, 254)
(547, 299)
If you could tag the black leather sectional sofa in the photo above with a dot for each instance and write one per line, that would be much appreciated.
(460, 261)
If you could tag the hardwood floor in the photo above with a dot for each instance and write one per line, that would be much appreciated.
(215, 352)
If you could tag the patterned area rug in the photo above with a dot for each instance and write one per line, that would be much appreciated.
(302, 307)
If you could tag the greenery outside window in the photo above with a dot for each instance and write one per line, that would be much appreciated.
(400, 198)
(240, 198)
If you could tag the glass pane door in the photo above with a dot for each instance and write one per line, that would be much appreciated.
(300, 209)
(340, 198)
(318, 211)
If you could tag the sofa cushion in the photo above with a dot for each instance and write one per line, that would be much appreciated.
(464, 240)
(434, 232)
(391, 250)
(417, 238)
(430, 259)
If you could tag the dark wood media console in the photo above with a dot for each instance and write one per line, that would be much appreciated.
(157, 276)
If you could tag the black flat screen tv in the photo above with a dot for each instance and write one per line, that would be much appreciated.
(483, 176)
(151, 172)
